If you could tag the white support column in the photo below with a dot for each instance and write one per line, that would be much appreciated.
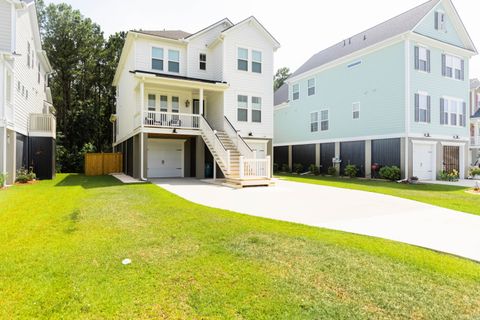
(201, 101)
(269, 174)
(142, 119)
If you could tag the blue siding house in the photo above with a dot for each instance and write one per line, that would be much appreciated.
(395, 94)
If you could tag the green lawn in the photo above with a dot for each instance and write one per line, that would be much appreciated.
(62, 243)
(446, 196)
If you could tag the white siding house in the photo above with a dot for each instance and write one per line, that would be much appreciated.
(192, 105)
(27, 125)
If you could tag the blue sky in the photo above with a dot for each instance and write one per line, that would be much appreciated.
(303, 27)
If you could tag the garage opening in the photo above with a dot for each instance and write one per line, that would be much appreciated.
(165, 158)
(451, 158)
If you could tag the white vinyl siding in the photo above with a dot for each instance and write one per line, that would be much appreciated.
(314, 122)
(311, 87)
(356, 110)
(256, 61)
(242, 108)
(157, 59)
(242, 59)
(256, 109)
(295, 92)
(174, 61)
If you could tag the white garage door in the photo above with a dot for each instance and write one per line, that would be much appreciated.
(165, 158)
(423, 161)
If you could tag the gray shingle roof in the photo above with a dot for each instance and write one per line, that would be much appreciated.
(281, 95)
(395, 26)
(168, 34)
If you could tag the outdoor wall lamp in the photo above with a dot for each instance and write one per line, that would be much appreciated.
(427, 135)
(456, 137)
(174, 130)
(187, 103)
(250, 134)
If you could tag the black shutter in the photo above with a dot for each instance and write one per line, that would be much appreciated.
(436, 20)
(428, 60)
(442, 111)
(417, 58)
(444, 65)
(417, 107)
(462, 70)
(464, 114)
(429, 99)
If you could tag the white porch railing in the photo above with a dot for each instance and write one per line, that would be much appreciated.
(212, 140)
(171, 120)
(241, 145)
(475, 141)
(42, 124)
(254, 168)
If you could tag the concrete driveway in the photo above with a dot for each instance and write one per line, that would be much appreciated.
(342, 209)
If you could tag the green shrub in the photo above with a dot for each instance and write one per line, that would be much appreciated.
(285, 168)
(24, 175)
(3, 179)
(475, 171)
(351, 170)
(452, 176)
(314, 169)
(332, 171)
(275, 167)
(392, 173)
(298, 168)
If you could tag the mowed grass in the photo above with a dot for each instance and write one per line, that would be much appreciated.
(451, 197)
(62, 243)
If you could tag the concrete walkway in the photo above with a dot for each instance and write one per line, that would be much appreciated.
(342, 209)
(460, 183)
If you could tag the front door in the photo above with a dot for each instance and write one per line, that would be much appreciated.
(423, 161)
(165, 158)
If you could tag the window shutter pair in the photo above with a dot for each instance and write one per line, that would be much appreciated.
(442, 111)
(444, 65)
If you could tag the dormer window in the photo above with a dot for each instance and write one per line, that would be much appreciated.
(440, 21)
(157, 59)
(174, 61)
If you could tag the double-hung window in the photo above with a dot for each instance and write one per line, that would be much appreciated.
(311, 87)
(174, 61)
(422, 59)
(324, 120)
(203, 61)
(314, 122)
(157, 59)
(256, 61)
(175, 105)
(151, 102)
(356, 110)
(422, 108)
(453, 67)
(163, 103)
(453, 112)
(440, 21)
(242, 108)
(256, 109)
(295, 92)
(242, 59)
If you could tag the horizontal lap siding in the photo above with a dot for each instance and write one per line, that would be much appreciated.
(327, 153)
(386, 152)
(353, 153)
(280, 155)
(304, 155)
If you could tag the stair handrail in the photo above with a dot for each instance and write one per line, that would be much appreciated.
(237, 139)
(219, 148)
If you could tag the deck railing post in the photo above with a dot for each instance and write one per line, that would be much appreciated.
(268, 164)
(241, 168)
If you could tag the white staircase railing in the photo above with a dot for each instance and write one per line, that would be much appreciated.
(212, 140)
(237, 140)
(255, 168)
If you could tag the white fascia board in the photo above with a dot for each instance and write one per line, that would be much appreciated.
(419, 38)
(352, 56)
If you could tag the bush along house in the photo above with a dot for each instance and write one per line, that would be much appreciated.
(393, 95)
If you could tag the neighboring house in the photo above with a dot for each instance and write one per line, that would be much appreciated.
(395, 94)
(475, 121)
(186, 101)
(27, 125)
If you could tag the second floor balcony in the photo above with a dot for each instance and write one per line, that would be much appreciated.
(42, 125)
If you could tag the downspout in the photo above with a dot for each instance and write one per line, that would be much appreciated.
(142, 105)
(407, 106)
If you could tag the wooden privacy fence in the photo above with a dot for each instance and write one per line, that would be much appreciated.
(97, 164)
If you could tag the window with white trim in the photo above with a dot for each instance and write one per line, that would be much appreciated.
(440, 20)
(256, 61)
(242, 59)
(175, 105)
(452, 112)
(174, 61)
(356, 110)
(203, 61)
(453, 67)
(256, 109)
(314, 122)
(422, 108)
(242, 108)
(151, 102)
(163, 103)
(157, 59)
(422, 59)
(295, 92)
(324, 122)
(311, 87)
